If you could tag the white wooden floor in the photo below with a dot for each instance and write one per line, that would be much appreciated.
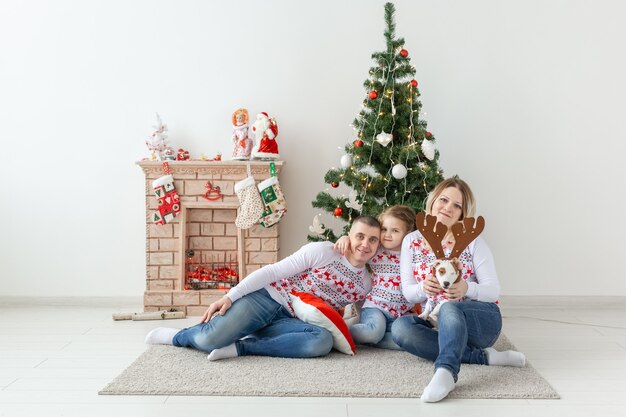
(54, 359)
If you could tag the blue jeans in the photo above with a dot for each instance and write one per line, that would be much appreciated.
(271, 329)
(465, 328)
(374, 328)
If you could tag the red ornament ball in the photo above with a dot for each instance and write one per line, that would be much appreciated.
(414, 83)
(373, 95)
(358, 143)
(404, 53)
(338, 212)
(428, 134)
(334, 184)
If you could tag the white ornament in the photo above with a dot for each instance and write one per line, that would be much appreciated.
(384, 138)
(346, 161)
(352, 201)
(398, 171)
(317, 227)
(428, 148)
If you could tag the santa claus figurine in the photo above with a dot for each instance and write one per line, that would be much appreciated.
(265, 131)
(243, 144)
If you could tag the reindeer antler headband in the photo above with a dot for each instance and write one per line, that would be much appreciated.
(464, 233)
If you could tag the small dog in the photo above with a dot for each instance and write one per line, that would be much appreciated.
(447, 273)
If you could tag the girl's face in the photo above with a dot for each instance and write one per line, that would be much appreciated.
(392, 232)
(448, 206)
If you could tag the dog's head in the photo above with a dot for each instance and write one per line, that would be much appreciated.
(446, 272)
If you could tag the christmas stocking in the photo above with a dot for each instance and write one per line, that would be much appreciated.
(169, 202)
(275, 204)
(251, 207)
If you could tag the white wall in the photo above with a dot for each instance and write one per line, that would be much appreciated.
(526, 99)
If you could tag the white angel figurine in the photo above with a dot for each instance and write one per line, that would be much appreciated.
(157, 142)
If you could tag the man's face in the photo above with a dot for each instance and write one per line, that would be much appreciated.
(364, 242)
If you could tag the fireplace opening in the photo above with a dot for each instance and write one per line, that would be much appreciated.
(211, 246)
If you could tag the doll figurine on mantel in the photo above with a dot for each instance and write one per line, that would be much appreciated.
(265, 131)
(243, 144)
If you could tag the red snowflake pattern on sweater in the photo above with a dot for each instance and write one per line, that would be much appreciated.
(334, 283)
(386, 292)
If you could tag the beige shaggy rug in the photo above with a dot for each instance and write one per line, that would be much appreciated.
(167, 370)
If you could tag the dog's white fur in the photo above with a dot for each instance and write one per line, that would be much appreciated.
(447, 273)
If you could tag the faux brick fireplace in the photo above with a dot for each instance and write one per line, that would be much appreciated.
(205, 226)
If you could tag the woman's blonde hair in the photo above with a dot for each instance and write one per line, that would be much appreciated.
(403, 213)
(469, 204)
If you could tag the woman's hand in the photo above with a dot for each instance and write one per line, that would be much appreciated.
(457, 290)
(342, 245)
(431, 286)
(220, 307)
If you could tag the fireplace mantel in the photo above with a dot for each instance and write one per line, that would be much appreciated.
(208, 225)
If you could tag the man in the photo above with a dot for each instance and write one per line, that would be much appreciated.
(260, 307)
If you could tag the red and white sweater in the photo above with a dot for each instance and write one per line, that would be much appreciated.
(386, 294)
(477, 268)
(315, 269)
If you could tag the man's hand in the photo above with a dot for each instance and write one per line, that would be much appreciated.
(220, 306)
(431, 286)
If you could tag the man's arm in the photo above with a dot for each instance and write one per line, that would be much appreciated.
(310, 255)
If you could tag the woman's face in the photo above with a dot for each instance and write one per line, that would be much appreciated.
(448, 206)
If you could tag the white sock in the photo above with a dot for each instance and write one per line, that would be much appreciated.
(161, 336)
(439, 387)
(505, 358)
(229, 351)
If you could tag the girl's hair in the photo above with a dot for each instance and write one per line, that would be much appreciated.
(469, 204)
(403, 213)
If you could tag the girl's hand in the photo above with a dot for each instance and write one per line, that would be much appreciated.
(431, 286)
(457, 290)
(342, 245)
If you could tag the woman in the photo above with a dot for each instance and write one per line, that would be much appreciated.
(467, 329)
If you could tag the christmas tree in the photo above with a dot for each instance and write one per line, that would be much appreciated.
(391, 159)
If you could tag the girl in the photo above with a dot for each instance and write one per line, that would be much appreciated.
(467, 329)
(385, 303)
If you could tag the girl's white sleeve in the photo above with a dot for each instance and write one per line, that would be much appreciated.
(487, 287)
(411, 289)
(310, 255)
